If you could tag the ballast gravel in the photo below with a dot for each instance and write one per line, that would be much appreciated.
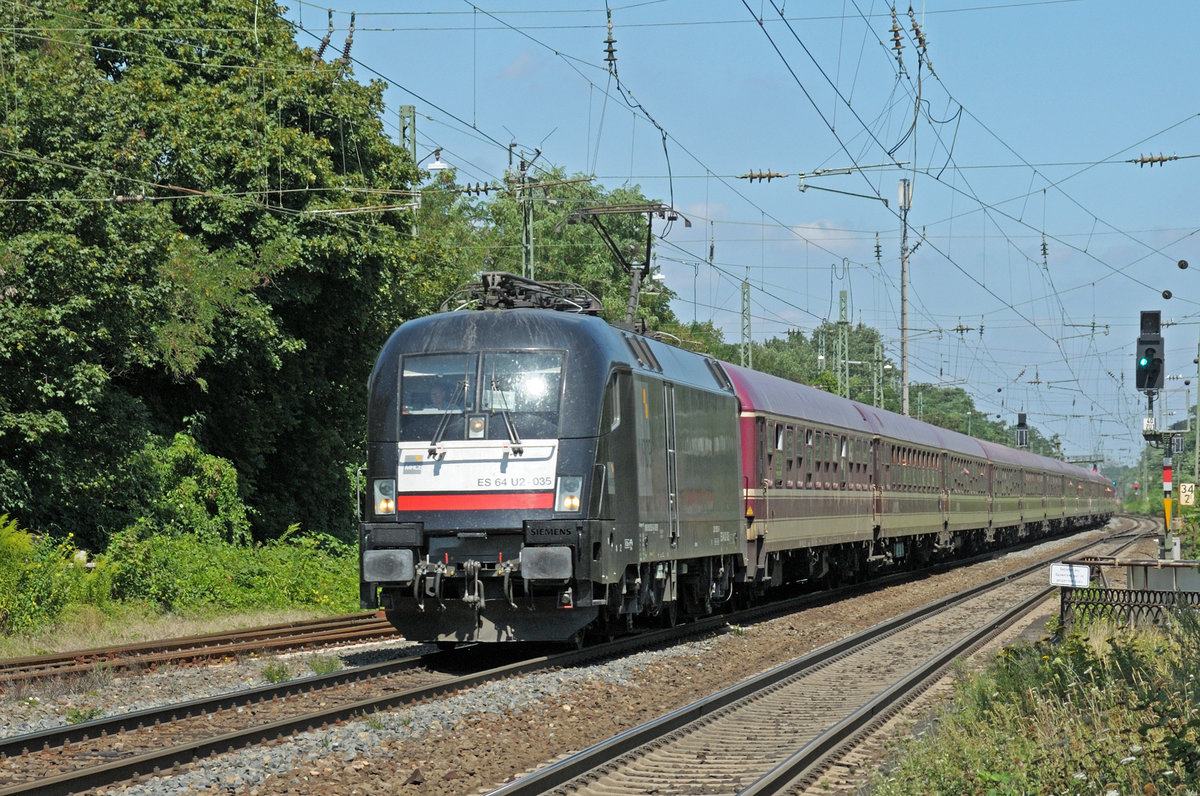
(475, 740)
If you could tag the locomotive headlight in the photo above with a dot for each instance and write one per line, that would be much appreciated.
(385, 495)
(476, 427)
(566, 495)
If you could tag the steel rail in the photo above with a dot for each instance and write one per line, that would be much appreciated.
(562, 772)
(15, 745)
(286, 636)
(782, 777)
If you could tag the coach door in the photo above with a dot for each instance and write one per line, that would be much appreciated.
(878, 479)
(672, 473)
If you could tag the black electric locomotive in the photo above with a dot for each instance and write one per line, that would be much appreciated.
(564, 479)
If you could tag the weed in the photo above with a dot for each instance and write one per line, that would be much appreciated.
(80, 715)
(276, 672)
(325, 664)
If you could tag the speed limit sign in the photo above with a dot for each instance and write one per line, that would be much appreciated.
(1187, 494)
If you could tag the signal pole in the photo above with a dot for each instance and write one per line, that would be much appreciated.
(1149, 373)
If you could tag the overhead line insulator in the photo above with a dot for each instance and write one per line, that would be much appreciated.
(1150, 160)
(349, 42)
(897, 43)
(765, 176)
(610, 46)
(325, 41)
(478, 188)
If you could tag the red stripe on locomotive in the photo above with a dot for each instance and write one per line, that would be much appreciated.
(475, 501)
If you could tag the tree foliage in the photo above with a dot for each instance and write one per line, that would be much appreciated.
(169, 261)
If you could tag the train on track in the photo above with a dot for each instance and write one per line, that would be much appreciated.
(535, 473)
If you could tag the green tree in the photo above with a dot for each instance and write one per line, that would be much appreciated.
(188, 245)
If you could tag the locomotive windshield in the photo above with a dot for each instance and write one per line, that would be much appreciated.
(449, 391)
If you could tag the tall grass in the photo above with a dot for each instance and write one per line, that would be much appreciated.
(1113, 713)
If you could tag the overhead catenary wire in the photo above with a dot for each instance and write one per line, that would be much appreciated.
(832, 250)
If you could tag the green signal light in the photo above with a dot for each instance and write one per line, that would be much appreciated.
(1143, 362)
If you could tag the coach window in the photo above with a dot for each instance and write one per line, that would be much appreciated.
(854, 475)
(826, 459)
(806, 459)
(841, 462)
(818, 454)
(761, 434)
(790, 452)
(779, 454)
(864, 463)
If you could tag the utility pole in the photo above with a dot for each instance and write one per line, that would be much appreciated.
(747, 349)
(905, 203)
(408, 129)
(525, 197)
(878, 374)
(843, 348)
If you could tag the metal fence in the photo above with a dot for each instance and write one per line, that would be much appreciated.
(1122, 606)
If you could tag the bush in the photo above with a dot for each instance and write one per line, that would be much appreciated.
(186, 491)
(40, 578)
(1075, 718)
(182, 572)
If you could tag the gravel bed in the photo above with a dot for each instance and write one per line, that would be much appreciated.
(30, 707)
(472, 741)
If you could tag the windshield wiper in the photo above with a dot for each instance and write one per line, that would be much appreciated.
(513, 437)
(460, 391)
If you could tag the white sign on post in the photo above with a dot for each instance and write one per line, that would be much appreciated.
(1187, 494)
(1076, 575)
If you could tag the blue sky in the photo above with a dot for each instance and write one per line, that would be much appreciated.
(1029, 112)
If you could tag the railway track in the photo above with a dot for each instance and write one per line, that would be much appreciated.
(125, 747)
(148, 655)
(103, 752)
(771, 734)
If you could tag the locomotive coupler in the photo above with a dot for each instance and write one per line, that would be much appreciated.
(473, 589)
